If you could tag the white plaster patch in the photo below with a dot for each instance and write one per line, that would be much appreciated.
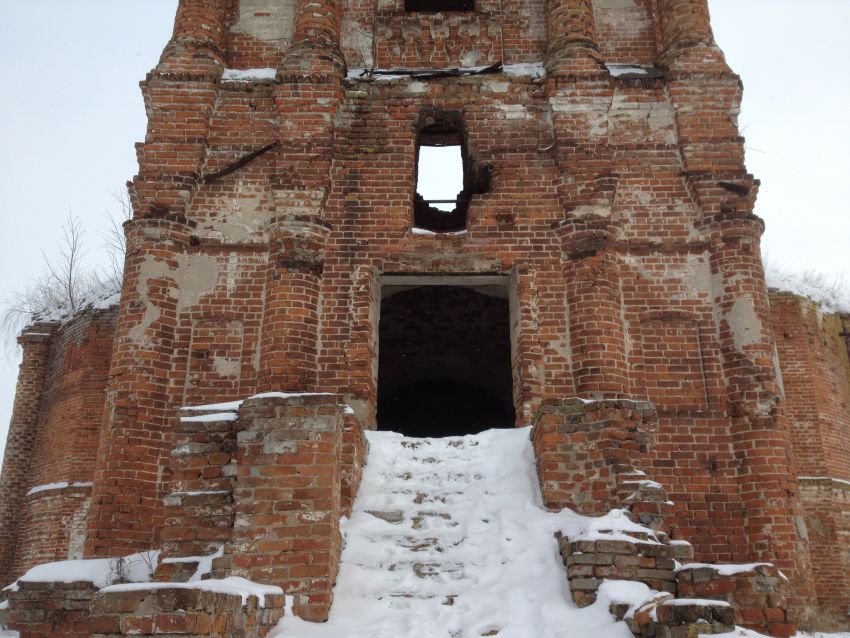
(194, 276)
(227, 367)
(744, 323)
(267, 20)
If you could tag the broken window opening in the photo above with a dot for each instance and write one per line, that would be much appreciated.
(446, 179)
(439, 6)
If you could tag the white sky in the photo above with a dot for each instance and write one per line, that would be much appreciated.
(71, 110)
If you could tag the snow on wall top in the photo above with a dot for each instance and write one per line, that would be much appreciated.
(103, 295)
(833, 295)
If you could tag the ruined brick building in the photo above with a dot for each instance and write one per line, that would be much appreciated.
(603, 246)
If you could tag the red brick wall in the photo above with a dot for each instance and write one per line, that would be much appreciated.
(815, 367)
(620, 214)
(51, 523)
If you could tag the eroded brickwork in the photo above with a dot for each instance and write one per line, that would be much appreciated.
(273, 210)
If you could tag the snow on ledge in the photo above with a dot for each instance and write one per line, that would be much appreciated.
(234, 585)
(233, 406)
(248, 75)
(214, 416)
(60, 485)
(424, 231)
(620, 70)
(725, 569)
(98, 571)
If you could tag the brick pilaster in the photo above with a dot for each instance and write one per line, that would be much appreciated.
(570, 37)
(594, 300)
(289, 344)
(198, 42)
(761, 440)
(687, 42)
(287, 498)
(135, 441)
(36, 342)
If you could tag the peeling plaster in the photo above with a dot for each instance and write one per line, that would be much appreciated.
(194, 276)
(744, 323)
(267, 20)
(244, 219)
(226, 367)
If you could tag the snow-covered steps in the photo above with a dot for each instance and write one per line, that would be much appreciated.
(448, 538)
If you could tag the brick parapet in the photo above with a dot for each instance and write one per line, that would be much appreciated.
(15, 479)
(287, 499)
(759, 595)
(580, 445)
(79, 610)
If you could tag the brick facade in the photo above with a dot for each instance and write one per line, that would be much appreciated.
(271, 217)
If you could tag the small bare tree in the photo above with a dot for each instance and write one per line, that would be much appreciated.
(58, 292)
(114, 240)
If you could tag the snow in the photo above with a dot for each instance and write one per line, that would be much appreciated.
(214, 416)
(233, 585)
(448, 537)
(833, 296)
(248, 75)
(233, 406)
(725, 569)
(104, 295)
(60, 485)
(8, 633)
(619, 70)
(424, 231)
(533, 69)
(823, 478)
(204, 563)
(98, 571)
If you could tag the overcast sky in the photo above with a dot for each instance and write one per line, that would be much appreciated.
(71, 111)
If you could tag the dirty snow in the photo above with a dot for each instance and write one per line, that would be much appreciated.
(424, 231)
(248, 75)
(448, 538)
(232, 406)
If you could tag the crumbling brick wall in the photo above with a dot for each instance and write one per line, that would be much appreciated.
(60, 460)
(815, 368)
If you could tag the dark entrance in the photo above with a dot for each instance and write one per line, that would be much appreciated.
(444, 360)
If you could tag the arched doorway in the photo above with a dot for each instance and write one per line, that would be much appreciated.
(444, 366)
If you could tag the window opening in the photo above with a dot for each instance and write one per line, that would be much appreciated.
(438, 6)
(446, 179)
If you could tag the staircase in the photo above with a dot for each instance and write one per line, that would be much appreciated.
(448, 539)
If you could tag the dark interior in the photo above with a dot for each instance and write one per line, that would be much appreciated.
(438, 6)
(444, 360)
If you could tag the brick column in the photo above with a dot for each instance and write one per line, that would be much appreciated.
(686, 39)
(774, 519)
(126, 499)
(570, 37)
(287, 498)
(35, 341)
(288, 347)
(597, 330)
(315, 38)
(198, 41)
